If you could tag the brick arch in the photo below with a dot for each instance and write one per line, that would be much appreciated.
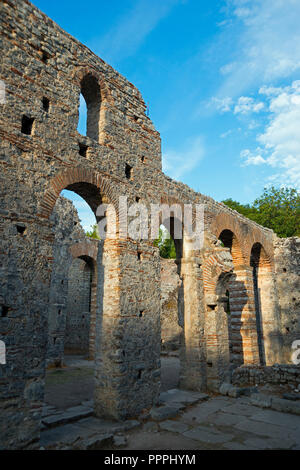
(225, 222)
(259, 258)
(88, 248)
(71, 179)
(266, 250)
(213, 270)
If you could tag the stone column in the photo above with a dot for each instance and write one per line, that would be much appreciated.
(217, 343)
(127, 329)
(269, 314)
(93, 314)
(192, 356)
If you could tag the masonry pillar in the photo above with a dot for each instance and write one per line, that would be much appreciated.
(192, 355)
(269, 315)
(93, 314)
(217, 344)
(127, 352)
(24, 328)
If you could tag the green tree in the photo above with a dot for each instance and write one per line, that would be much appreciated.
(277, 209)
(165, 244)
(93, 233)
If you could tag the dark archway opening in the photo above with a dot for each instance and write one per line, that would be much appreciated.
(255, 262)
(172, 321)
(70, 373)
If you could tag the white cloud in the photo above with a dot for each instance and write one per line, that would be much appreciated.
(252, 159)
(177, 163)
(266, 38)
(244, 105)
(280, 141)
(222, 104)
(247, 105)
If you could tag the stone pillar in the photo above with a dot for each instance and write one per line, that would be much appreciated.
(192, 355)
(269, 314)
(93, 314)
(127, 329)
(217, 343)
(23, 328)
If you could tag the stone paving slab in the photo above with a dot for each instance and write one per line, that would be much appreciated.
(240, 409)
(103, 426)
(261, 400)
(71, 414)
(278, 418)
(67, 434)
(200, 412)
(224, 419)
(174, 426)
(182, 397)
(237, 446)
(266, 429)
(95, 442)
(165, 412)
(265, 444)
(210, 436)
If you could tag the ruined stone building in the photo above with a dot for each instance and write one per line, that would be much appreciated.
(238, 297)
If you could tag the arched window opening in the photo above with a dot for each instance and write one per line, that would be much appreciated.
(171, 307)
(165, 243)
(82, 120)
(229, 240)
(89, 107)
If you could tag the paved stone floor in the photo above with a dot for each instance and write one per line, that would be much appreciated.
(183, 421)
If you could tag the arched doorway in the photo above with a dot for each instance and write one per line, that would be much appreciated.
(172, 321)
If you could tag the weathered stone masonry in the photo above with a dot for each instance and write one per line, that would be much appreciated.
(45, 70)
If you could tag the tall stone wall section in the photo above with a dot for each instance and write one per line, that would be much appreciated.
(287, 268)
(41, 154)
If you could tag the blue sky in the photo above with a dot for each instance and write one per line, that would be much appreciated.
(220, 78)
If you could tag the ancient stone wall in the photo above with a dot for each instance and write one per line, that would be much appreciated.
(287, 269)
(41, 154)
(44, 71)
(261, 375)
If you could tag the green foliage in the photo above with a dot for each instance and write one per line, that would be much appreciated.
(166, 245)
(93, 233)
(277, 209)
